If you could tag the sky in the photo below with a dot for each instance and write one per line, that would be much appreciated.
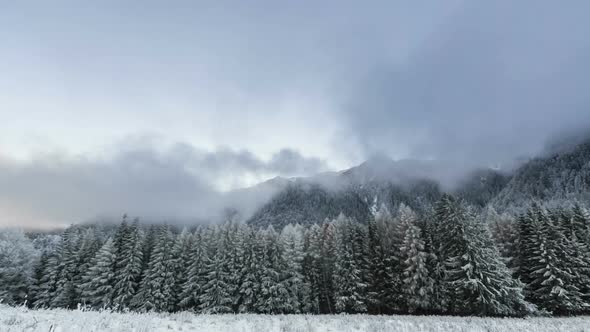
(156, 108)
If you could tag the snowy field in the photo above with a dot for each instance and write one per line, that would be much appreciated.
(21, 319)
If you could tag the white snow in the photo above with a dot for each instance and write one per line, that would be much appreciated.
(22, 319)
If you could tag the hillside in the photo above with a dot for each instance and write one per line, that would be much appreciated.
(555, 178)
(563, 174)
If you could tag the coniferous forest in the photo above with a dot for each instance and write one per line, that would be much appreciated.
(450, 260)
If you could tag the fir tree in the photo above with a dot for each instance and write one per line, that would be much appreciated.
(215, 297)
(97, 289)
(417, 283)
(298, 299)
(128, 268)
(156, 288)
(350, 290)
(66, 293)
(272, 286)
(190, 294)
(249, 288)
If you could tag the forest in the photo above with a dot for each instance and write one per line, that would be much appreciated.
(451, 260)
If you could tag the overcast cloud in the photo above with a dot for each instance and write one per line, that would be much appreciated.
(155, 108)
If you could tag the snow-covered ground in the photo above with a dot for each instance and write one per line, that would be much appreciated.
(22, 319)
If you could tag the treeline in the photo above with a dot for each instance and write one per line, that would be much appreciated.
(449, 261)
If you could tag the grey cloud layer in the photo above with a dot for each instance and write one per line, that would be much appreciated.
(175, 183)
(492, 84)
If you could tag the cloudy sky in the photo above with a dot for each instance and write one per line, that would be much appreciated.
(154, 107)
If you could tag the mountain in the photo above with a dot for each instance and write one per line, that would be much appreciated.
(562, 175)
(359, 192)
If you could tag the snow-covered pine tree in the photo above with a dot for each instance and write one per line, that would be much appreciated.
(39, 270)
(233, 234)
(249, 289)
(89, 246)
(504, 231)
(326, 265)
(529, 239)
(297, 300)
(215, 297)
(17, 256)
(349, 286)
(97, 287)
(555, 285)
(581, 224)
(272, 281)
(435, 266)
(477, 280)
(417, 283)
(180, 257)
(193, 285)
(156, 289)
(393, 292)
(376, 269)
(48, 281)
(128, 267)
(66, 292)
(312, 268)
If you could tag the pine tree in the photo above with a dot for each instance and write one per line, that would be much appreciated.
(156, 289)
(48, 281)
(39, 271)
(97, 289)
(249, 288)
(581, 224)
(215, 297)
(235, 261)
(554, 284)
(327, 249)
(298, 289)
(66, 292)
(417, 283)
(476, 279)
(312, 267)
(393, 292)
(272, 286)
(128, 267)
(180, 257)
(17, 256)
(350, 290)
(194, 282)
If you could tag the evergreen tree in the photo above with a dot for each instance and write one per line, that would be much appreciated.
(17, 256)
(215, 297)
(249, 288)
(194, 280)
(312, 266)
(180, 258)
(66, 292)
(417, 283)
(128, 267)
(554, 284)
(272, 281)
(156, 288)
(476, 279)
(97, 289)
(350, 290)
(298, 299)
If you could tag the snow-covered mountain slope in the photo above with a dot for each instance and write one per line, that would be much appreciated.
(360, 191)
(555, 178)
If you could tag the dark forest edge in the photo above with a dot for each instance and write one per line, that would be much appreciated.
(449, 261)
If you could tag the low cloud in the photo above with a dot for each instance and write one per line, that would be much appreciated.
(179, 182)
(492, 84)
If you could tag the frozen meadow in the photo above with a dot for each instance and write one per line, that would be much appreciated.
(58, 320)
